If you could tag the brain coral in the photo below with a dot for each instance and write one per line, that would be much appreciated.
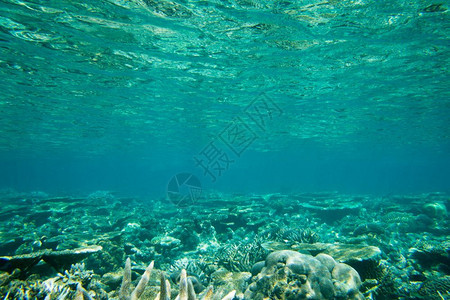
(291, 275)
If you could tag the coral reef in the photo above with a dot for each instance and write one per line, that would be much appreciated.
(291, 275)
(394, 244)
(186, 288)
(240, 257)
(292, 235)
(379, 281)
(331, 207)
(435, 210)
(432, 254)
(225, 281)
(199, 270)
(435, 288)
(125, 292)
(61, 286)
(60, 260)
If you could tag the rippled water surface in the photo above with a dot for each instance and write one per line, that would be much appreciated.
(238, 127)
(95, 77)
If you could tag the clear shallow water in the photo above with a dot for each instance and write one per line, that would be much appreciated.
(121, 95)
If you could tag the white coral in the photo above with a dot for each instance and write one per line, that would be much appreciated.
(186, 288)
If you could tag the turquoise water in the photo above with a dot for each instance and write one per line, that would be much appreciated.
(122, 95)
(316, 131)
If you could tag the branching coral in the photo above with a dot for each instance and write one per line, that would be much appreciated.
(186, 289)
(292, 235)
(240, 257)
(125, 289)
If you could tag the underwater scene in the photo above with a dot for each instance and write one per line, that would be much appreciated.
(224, 149)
